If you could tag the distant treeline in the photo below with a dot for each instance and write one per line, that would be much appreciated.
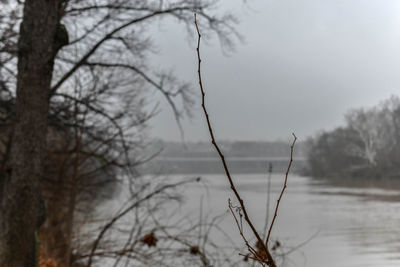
(230, 149)
(241, 156)
(368, 146)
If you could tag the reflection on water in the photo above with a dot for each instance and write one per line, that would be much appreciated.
(349, 226)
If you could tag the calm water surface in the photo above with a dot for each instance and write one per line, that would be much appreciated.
(333, 226)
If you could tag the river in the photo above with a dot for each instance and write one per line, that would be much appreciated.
(322, 225)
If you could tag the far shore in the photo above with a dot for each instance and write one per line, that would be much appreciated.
(366, 183)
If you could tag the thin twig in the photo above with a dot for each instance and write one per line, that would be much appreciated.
(283, 188)
(121, 214)
(270, 260)
(252, 251)
(268, 201)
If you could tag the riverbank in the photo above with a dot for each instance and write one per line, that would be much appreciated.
(378, 188)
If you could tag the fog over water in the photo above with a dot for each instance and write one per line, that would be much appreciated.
(302, 66)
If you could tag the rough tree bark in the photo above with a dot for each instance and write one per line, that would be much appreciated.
(41, 36)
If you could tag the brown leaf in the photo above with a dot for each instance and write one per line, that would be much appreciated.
(150, 239)
(194, 250)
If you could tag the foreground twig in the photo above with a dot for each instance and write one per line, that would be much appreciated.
(239, 224)
(270, 261)
(283, 188)
(268, 201)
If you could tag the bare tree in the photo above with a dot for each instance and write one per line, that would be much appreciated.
(367, 146)
(89, 102)
(40, 38)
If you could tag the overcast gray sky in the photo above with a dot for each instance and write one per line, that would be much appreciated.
(304, 63)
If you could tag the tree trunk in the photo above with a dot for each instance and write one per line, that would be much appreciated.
(38, 44)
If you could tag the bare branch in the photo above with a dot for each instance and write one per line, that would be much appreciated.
(252, 251)
(270, 260)
(109, 36)
(128, 209)
(283, 188)
(159, 86)
(268, 201)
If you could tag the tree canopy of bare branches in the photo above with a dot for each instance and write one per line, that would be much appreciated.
(94, 106)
